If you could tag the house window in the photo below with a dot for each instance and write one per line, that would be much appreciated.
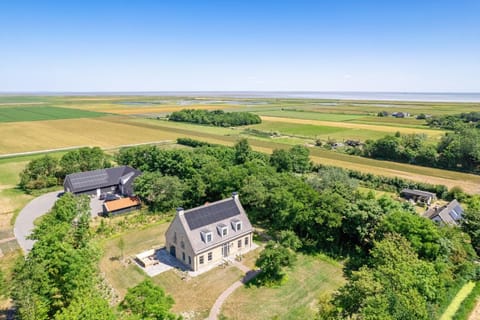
(175, 237)
(246, 241)
(239, 243)
(222, 230)
(183, 256)
(210, 256)
(182, 244)
(236, 225)
(189, 260)
(207, 236)
(201, 260)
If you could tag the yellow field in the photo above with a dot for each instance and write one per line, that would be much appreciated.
(103, 132)
(350, 125)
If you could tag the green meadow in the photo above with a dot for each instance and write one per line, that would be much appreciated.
(38, 113)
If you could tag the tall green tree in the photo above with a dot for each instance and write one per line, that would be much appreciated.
(396, 285)
(83, 159)
(160, 193)
(272, 262)
(471, 222)
(148, 301)
(281, 160)
(300, 156)
(40, 173)
(243, 151)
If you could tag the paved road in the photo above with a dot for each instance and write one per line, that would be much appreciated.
(34, 209)
(217, 306)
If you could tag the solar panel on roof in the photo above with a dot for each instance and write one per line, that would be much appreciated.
(203, 216)
(86, 179)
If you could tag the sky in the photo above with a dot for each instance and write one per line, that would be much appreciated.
(332, 45)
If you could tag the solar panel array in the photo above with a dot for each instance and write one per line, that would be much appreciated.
(209, 214)
(456, 213)
(87, 179)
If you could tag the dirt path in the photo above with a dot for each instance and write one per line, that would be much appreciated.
(217, 306)
(475, 315)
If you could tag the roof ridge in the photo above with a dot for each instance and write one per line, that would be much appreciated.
(207, 205)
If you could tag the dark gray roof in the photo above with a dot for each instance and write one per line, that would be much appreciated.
(211, 213)
(101, 178)
(416, 192)
(450, 213)
(211, 216)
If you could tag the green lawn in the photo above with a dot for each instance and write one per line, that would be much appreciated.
(295, 299)
(310, 115)
(37, 113)
(318, 132)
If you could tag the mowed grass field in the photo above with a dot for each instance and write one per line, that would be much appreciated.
(297, 298)
(38, 113)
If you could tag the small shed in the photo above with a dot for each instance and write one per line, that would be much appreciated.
(121, 206)
(419, 196)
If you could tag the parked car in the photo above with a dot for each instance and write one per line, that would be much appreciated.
(111, 197)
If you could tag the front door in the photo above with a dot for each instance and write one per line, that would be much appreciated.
(172, 251)
(225, 250)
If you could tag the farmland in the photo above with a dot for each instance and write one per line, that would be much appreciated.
(129, 120)
(38, 113)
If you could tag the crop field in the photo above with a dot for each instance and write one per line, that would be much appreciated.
(310, 115)
(379, 128)
(318, 131)
(38, 113)
(303, 122)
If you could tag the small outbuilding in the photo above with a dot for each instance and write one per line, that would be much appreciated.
(121, 206)
(111, 180)
(451, 213)
(418, 196)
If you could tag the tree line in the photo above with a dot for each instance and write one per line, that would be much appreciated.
(217, 118)
(458, 150)
(48, 171)
(455, 121)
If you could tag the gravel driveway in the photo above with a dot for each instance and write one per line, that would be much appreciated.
(34, 209)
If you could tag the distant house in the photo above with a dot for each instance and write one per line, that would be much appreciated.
(353, 143)
(418, 196)
(451, 213)
(400, 114)
(121, 206)
(206, 235)
(115, 180)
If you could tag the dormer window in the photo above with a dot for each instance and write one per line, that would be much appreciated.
(222, 230)
(236, 225)
(207, 236)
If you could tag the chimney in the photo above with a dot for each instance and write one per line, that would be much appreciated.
(180, 211)
(235, 195)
